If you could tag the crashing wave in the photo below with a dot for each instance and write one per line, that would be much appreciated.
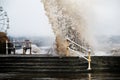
(67, 18)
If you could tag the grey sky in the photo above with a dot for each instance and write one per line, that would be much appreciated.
(106, 16)
(27, 17)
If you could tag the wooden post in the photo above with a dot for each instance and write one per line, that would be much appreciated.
(30, 48)
(89, 60)
(6, 47)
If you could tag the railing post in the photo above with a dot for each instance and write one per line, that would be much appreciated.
(14, 46)
(89, 60)
(30, 47)
(23, 46)
(67, 47)
(6, 47)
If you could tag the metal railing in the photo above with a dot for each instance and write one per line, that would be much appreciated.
(14, 47)
(78, 53)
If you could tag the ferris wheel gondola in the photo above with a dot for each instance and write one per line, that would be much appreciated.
(4, 20)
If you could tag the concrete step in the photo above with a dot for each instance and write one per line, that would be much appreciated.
(41, 64)
(43, 70)
(32, 57)
(43, 67)
(32, 67)
(34, 60)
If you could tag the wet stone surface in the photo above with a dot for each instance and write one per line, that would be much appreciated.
(54, 68)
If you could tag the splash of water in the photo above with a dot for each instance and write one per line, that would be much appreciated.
(68, 19)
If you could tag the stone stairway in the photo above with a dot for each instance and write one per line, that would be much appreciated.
(26, 64)
(34, 67)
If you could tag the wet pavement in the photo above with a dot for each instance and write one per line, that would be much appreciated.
(82, 76)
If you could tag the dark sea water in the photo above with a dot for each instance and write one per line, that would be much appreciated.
(83, 76)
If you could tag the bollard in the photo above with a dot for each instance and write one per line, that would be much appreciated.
(6, 47)
(89, 60)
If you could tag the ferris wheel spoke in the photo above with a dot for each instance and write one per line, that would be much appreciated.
(4, 20)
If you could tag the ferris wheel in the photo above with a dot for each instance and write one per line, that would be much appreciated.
(4, 20)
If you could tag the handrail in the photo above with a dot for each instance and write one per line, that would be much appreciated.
(78, 54)
(88, 50)
(77, 44)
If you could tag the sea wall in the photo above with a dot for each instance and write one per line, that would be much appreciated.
(105, 64)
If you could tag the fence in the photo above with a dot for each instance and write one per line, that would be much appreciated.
(8, 47)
